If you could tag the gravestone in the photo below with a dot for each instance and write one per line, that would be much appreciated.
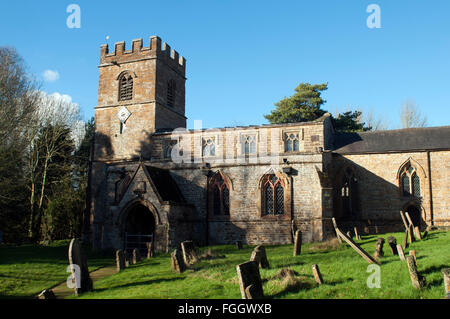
(356, 247)
(379, 250)
(189, 255)
(336, 230)
(411, 234)
(248, 275)
(149, 249)
(417, 233)
(402, 214)
(46, 294)
(349, 234)
(417, 280)
(392, 241)
(401, 254)
(260, 257)
(239, 244)
(136, 256)
(77, 257)
(317, 274)
(446, 273)
(178, 264)
(120, 260)
(126, 255)
(297, 243)
(293, 230)
(413, 253)
(405, 240)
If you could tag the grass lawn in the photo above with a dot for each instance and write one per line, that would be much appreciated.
(344, 273)
(27, 270)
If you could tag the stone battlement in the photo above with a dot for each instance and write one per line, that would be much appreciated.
(156, 49)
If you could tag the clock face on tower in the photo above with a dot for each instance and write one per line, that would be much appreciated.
(123, 114)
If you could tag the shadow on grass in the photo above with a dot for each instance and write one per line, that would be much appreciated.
(141, 283)
(433, 269)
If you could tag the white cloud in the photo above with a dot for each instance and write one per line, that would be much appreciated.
(50, 75)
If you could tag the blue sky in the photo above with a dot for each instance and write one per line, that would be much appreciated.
(243, 56)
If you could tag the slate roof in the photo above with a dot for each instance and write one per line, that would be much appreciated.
(411, 139)
(165, 184)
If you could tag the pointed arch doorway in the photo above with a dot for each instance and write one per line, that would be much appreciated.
(139, 227)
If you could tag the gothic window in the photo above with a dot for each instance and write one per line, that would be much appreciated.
(219, 195)
(249, 144)
(347, 194)
(410, 182)
(273, 195)
(291, 142)
(209, 147)
(125, 87)
(171, 87)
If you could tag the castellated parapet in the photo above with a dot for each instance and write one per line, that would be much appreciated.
(156, 49)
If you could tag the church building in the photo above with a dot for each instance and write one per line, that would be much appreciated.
(152, 180)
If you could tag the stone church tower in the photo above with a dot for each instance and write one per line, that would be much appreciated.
(141, 91)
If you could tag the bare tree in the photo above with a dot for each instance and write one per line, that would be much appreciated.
(55, 117)
(410, 115)
(373, 122)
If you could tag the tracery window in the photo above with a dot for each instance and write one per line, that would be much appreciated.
(249, 144)
(219, 195)
(125, 87)
(291, 142)
(171, 87)
(208, 147)
(410, 182)
(273, 195)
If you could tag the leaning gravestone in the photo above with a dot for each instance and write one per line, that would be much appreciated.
(136, 256)
(177, 261)
(80, 271)
(417, 280)
(317, 274)
(297, 243)
(401, 254)
(189, 255)
(260, 257)
(250, 280)
(392, 241)
(120, 260)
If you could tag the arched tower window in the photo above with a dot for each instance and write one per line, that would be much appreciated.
(125, 87)
(273, 195)
(410, 181)
(171, 88)
(219, 194)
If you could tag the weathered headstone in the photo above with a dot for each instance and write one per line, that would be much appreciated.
(317, 274)
(379, 249)
(416, 279)
(356, 247)
(417, 233)
(260, 257)
(392, 241)
(120, 260)
(357, 237)
(446, 273)
(413, 253)
(411, 234)
(46, 294)
(239, 244)
(136, 256)
(126, 255)
(178, 264)
(297, 243)
(410, 223)
(336, 229)
(80, 274)
(402, 214)
(401, 254)
(189, 254)
(248, 275)
(405, 240)
(149, 249)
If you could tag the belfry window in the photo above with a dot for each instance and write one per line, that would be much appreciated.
(273, 195)
(219, 195)
(125, 87)
(410, 182)
(171, 87)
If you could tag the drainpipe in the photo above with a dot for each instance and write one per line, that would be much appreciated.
(430, 188)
